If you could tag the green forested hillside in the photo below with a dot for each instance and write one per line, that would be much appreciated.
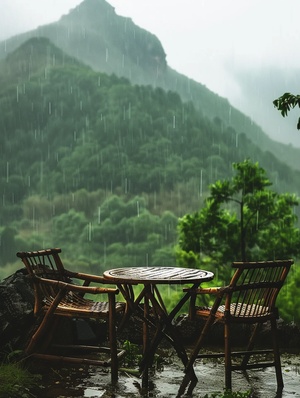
(103, 168)
(93, 33)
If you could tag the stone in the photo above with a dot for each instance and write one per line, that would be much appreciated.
(16, 309)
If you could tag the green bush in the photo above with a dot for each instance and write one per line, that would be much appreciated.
(15, 381)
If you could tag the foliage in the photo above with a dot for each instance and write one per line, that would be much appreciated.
(259, 224)
(133, 355)
(288, 305)
(229, 394)
(15, 381)
(287, 102)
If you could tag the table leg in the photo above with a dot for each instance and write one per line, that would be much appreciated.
(164, 328)
(133, 307)
(145, 374)
(132, 303)
(161, 322)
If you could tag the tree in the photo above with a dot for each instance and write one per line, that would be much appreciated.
(242, 219)
(287, 102)
(287, 302)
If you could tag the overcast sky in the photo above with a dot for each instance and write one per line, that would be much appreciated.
(211, 41)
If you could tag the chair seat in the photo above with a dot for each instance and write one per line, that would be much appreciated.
(74, 304)
(237, 311)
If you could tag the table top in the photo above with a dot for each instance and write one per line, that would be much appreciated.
(158, 275)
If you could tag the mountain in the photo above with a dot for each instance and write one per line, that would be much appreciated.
(59, 105)
(94, 34)
(104, 168)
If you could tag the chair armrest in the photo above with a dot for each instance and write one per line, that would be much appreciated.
(59, 289)
(77, 288)
(88, 278)
(216, 291)
(207, 290)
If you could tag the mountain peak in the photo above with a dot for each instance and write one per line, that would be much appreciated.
(107, 42)
(94, 32)
(92, 10)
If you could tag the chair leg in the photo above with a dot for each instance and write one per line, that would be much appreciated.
(227, 353)
(276, 352)
(45, 322)
(189, 375)
(250, 346)
(48, 337)
(145, 379)
(40, 332)
(113, 338)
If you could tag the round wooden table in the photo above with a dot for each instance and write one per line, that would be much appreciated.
(153, 310)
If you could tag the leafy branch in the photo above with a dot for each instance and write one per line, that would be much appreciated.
(287, 102)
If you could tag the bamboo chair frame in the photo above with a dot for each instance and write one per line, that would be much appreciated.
(57, 296)
(250, 298)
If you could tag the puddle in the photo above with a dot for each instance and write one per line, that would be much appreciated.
(91, 393)
(95, 382)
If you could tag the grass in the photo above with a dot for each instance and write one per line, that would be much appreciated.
(15, 381)
(229, 394)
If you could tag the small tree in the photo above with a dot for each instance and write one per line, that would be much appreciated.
(242, 220)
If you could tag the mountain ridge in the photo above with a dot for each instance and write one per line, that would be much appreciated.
(114, 44)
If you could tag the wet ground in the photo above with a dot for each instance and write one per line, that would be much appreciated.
(93, 382)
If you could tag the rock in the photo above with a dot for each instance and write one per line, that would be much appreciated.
(16, 309)
(288, 334)
(190, 331)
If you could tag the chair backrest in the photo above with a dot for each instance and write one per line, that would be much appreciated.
(44, 264)
(254, 288)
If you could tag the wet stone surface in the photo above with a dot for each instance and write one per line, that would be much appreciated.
(63, 382)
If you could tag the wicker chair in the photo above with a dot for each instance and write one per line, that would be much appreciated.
(57, 296)
(249, 299)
